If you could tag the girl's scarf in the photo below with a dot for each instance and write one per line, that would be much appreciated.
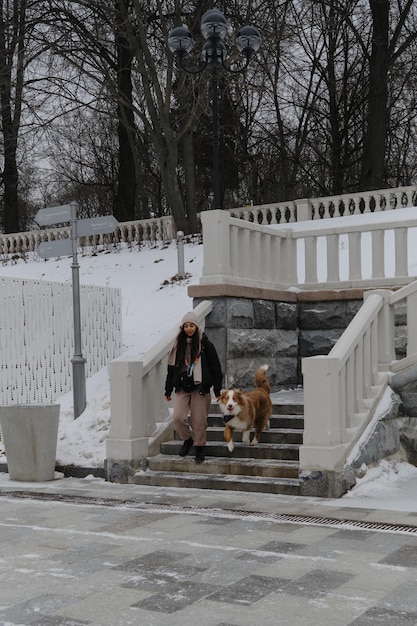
(193, 369)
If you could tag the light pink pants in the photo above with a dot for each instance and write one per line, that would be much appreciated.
(198, 407)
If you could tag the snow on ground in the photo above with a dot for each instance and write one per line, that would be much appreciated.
(152, 304)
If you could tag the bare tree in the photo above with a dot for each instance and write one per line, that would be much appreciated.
(17, 51)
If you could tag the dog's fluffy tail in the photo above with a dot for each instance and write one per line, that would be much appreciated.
(261, 378)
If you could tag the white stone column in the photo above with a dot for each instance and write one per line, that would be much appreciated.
(129, 432)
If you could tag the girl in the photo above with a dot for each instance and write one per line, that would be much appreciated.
(193, 368)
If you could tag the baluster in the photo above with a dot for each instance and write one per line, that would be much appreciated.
(401, 252)
(310, 259)
(265, 245)
(255, 270)
(333, 270)
(234, 247)
(378, 257)
(244, 257)
(358, 392)
(355, 256)
(289, 258)
(276, 269)
(341, 381)
(350, 391)
(374, 332)
(367, 364)
(274, 214)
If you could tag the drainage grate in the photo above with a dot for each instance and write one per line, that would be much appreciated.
(306, 520)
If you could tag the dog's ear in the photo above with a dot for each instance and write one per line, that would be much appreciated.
(222, 391)
(240, 389)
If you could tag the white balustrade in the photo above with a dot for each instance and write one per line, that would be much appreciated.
(155, 229)
(276, 257)
(352, 379)
(329, 206)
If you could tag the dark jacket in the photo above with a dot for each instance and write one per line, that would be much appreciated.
(211, 371)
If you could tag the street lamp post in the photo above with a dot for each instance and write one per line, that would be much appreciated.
(214, 53)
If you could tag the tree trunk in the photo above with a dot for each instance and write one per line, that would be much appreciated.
(12, 49)
(373, 160)
(126, 190)
(11, 223)
(334, 114)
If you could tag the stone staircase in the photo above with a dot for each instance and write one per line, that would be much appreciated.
(271, 467)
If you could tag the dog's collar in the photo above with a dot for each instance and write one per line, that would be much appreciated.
(227, 418)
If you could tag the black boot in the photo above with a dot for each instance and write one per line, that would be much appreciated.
(186, 447)
(199, 456)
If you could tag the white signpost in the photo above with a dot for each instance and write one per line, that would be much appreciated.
(68, 247)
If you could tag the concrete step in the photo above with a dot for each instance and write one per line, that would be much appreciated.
(288, 452)
(276, 421)
(278, 408)
(273, 435)
(286, 486)
(264, 468)
(271, 466)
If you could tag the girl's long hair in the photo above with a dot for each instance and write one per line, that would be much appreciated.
(181, 347)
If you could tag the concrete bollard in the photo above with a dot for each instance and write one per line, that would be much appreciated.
(30, 434)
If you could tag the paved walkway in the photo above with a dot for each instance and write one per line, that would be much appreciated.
(82, 551)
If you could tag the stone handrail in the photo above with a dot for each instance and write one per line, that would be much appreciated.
(152, 229)
(330, 206)
(285, 257)
(139, 411)
(352, 379)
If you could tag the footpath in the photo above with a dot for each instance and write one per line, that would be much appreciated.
(78, 551)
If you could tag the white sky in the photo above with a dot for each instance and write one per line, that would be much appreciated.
(150, 309)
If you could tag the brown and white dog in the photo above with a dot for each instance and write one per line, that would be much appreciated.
(247, 410)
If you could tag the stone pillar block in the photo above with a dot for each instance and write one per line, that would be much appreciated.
(30, 434)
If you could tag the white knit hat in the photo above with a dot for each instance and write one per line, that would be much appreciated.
(190, 317)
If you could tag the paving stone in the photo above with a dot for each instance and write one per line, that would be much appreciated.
(404, 557)
(248, 590)
(317, 583)
(377, 616)
(178, 596)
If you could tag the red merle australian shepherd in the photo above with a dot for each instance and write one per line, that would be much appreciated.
(245, 411)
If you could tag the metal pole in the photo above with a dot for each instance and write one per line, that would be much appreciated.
(78, 362)
(180, 252)
(217, 203)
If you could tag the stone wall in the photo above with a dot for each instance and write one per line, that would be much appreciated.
(251, 331)
(250, 327)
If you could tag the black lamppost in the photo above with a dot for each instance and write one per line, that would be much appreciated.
(214, 53)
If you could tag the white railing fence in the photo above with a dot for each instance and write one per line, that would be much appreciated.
(139, 410)
(353, 377)
(36, 337)
(310, 258)
(155, 229)
(164, 229)
(330, 206)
